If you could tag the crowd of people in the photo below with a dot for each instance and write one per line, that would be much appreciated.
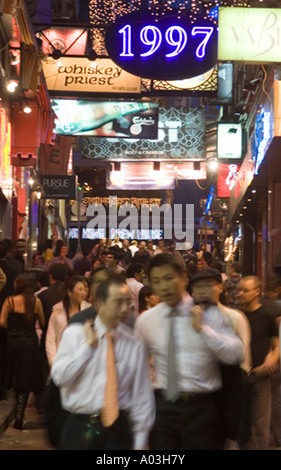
(179, 323)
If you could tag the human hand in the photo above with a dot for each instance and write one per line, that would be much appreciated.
(197, 315)
(90, 332)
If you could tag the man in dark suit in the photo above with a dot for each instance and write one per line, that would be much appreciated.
(51, 296)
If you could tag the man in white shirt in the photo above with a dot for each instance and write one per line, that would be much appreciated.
(188, 418)
(135, 274)
(79, 370)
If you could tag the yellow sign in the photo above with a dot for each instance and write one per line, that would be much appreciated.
(70, 74)
(249, 34)
(5, 146)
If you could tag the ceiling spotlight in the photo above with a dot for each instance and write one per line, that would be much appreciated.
(27, 109)
(12, 86)
(56, 54)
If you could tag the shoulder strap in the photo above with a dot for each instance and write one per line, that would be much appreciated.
(11, 304)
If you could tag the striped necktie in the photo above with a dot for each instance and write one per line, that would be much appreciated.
(110, 410)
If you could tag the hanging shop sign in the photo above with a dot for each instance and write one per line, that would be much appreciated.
(112, 119)
(144, 175)
(80, 75)
(166, 48)
(229, 140)
(181, 136)
(5, 146)
(227, 175)
(58, 187)
(249, 34)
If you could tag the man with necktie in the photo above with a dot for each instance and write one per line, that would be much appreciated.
(186, 343)
(103, 374)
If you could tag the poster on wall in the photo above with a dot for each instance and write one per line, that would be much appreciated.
(111, 119)
(181, 135)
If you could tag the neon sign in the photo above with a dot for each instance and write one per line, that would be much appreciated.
(169, 49)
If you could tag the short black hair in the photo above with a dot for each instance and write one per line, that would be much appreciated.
(58, 271)
(103, 288)
(134, 268)
(164, 259)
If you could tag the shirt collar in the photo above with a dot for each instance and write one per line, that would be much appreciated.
(182, 307)
(101, 328)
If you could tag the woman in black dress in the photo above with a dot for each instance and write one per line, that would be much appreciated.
(22, 360)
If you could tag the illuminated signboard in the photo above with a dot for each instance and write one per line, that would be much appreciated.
(80, 75)
(170, 48)
(67, 40)
(181, 135)
(144, 176)
(227, 175)
(261, 137)
(127, 119)
(249, 34)
(140, 234)
(5, 146)
(229, 140)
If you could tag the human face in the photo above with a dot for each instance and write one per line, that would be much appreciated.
(207, 288)
(63, 251)
(117, 306)
(110, 260)
(167, 284)
(78, 293)
(248, 293)
(152, 300)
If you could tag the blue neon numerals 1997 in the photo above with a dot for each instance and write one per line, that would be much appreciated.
(175, 36)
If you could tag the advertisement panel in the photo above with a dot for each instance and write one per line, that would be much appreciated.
(181, 135)
(127, 119)
(59, 187)
(227, 175)
(249, 34)
(229, 140)
(79, 75)
(145, 176)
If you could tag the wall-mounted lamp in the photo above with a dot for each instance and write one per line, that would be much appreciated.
(12, 86)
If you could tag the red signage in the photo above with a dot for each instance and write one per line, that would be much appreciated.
(226, 178)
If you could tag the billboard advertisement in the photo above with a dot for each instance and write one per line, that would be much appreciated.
(111, 119)
(227, 175)
(181, 136)
(229, 140)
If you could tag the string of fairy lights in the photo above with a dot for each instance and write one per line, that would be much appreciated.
(105, 12)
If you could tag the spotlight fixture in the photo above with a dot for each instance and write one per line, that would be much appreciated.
(92, 55)
(56, 54)
(27, 109)
(12, 86)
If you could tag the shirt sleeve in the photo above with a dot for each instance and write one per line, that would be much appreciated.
(142, 411)
(226, 346)
(72, 356)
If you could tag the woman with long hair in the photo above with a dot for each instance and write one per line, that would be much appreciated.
(147, 299)
(22, 369)
(73, 301)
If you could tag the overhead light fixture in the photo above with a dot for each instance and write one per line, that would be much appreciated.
(12, 86)
(27, 109)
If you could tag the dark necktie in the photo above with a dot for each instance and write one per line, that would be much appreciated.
(172, 393)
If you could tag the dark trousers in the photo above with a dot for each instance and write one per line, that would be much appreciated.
(192, 424)
(79, 433)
